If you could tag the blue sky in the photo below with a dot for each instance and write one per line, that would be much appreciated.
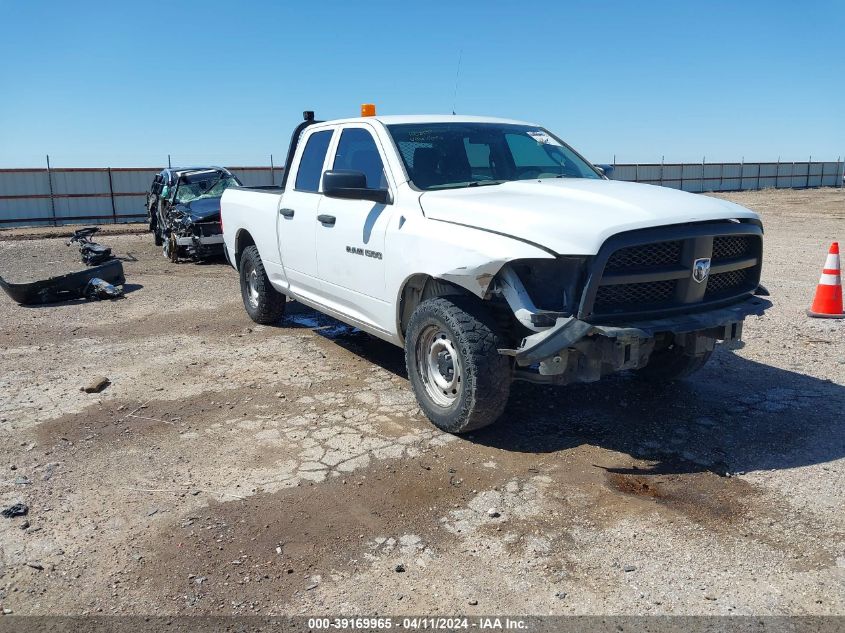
(126, 83)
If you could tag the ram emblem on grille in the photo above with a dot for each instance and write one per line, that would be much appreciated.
(701, 269)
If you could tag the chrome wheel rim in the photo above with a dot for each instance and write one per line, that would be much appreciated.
(252, 286)
(439, 366)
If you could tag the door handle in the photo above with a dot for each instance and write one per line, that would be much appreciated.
(326, 219)
(288, 213)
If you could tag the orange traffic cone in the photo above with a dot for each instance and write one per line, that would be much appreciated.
(828, 301)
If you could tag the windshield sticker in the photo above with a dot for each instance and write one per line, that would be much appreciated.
(542, 137)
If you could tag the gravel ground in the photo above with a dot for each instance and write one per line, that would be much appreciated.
(236, 468)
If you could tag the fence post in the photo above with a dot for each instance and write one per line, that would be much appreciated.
(741, 172)
(111, 195)
(721, 176)
(637, 172)
(272, 175)
(52, 199)
(759, 169)
(809, 163)
(662, 160)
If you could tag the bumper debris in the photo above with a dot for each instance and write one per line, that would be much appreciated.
(94, 283)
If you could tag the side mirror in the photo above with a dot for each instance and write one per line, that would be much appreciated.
(351, 185)
(605, 170)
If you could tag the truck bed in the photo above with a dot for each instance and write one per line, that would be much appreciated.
(255, 210)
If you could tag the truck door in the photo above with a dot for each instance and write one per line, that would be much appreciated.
(350, 235)
(297, 214)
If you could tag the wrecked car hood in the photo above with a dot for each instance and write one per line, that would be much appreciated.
(573, 216)
(201, 209)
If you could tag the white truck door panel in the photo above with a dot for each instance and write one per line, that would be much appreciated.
(297, 214)
(350, 250)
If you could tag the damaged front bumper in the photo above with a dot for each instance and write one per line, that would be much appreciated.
(579, 351)
(198, 241)
(84, 283)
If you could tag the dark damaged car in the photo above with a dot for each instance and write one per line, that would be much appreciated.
(183, 209)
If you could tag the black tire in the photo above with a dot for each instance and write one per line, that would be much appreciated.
(152, 221)
(481, 376)
(672, 364)
(264, 304)
(172, 251)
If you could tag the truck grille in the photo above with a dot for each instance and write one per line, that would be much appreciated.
(650, 292)
(657, 254)
(726, 283)
(728, 246)
(653, 276)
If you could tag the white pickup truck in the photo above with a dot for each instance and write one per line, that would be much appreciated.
(492, 251)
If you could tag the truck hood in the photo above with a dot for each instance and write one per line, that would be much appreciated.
(201, 209)
(573, 216)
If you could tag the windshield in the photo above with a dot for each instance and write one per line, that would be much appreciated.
(448, 155)
(204, 185)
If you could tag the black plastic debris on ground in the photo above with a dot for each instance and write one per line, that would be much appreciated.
(17, 510)
(92, 253)
(94, 283)
(97, 289)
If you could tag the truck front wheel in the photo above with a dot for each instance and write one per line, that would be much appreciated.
(460, 380)
(672, 364)
(264, 304)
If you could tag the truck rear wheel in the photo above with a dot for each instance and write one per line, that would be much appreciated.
(264, 304)
(672, 364)
(460, 380)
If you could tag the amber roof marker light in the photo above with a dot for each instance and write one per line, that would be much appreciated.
(368, 109)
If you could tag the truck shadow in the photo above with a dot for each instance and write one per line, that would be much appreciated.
(735, 415)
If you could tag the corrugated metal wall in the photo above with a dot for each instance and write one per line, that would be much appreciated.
(31, 197)
(698, 177)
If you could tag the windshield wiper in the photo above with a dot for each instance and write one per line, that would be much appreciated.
(464, 185)
(482, 183)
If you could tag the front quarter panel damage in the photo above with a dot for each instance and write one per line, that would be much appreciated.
(459, 256)
(475, 278)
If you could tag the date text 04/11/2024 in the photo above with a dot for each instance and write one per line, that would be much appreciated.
(418, 623)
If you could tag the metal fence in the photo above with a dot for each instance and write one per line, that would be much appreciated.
(31, 197)
(700, 177)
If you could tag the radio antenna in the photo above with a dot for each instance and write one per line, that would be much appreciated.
(457, 78)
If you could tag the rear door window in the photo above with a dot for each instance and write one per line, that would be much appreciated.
(311, 164)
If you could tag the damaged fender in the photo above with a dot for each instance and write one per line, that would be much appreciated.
(476, 279)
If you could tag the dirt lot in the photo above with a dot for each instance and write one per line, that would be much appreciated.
(235, 468)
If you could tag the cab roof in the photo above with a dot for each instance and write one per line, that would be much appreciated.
(397, 119)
